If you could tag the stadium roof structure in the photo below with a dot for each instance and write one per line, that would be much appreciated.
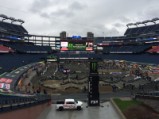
(154, 20)
(5, 17)
(147, 21)
(19, 20)
(143, 22)
(130, 24)
(137, 23)
(12, 19)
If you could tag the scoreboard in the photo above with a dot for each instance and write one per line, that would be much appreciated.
(76, 44)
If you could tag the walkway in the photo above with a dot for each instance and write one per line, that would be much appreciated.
(105, 111)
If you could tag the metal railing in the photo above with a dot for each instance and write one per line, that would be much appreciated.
(11, 102)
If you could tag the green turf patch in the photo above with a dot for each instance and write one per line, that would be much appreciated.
(125, 104)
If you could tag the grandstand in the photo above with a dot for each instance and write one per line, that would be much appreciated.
(10, 30)
(143, 30)
(21, 56)
(128, 49)
(4, 49)
(154, 50)
(28, 47)
(18, 57)
(13, 45)
(141, 38)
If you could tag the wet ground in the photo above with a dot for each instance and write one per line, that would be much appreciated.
(105, 111)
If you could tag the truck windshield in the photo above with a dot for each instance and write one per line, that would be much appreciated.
(70, 102)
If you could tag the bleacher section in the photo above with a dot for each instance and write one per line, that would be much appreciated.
(126, 49)
(13, 101)
(154, 49)
(10, 62)
(13, 29)
(23, 47)
(26, 48)
(4, 49)
(11, 98)
(81, 56)
(148, 95)
(151, 29)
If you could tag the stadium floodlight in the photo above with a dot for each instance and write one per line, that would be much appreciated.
(154, 20)
(138, 23)
(12, 19)
(146, 21)
(3, 16)
(130, 24)
(19, 20)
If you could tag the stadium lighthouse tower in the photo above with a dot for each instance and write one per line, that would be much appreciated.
(76, 44)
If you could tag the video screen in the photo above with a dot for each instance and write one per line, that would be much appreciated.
(64, 46)
(4, 86)
(76, 46)
(89, 46)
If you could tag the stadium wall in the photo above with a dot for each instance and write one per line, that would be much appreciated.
(26, 113)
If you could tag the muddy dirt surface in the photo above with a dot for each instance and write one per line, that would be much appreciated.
(141, 112)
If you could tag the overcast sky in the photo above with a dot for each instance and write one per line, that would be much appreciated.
(77, 17)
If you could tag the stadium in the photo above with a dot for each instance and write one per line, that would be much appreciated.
(33, 67)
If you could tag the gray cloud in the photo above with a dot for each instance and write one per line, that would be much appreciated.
(39, 5)
(77, 5)
(63, 13)
(118, 25)
(65, 10)
(78, 17)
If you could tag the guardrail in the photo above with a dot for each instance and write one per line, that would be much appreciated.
(12, 102)
(148, 95)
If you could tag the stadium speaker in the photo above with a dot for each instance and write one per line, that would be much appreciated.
(63, 35)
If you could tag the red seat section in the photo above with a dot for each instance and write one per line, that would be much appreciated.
(154, 49)
(4, 49)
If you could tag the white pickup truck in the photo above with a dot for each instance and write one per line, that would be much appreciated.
(69, 104)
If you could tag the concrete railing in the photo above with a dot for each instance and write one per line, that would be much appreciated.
(117, 109)
(13, 102)
(32, 112)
